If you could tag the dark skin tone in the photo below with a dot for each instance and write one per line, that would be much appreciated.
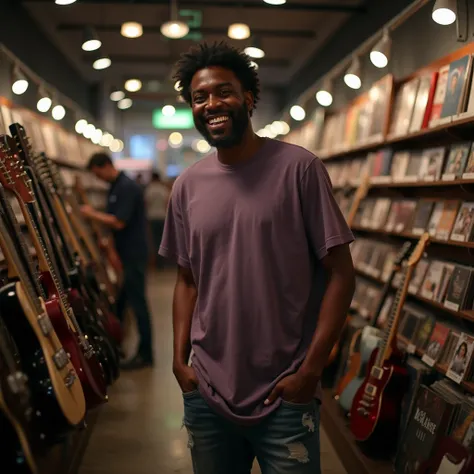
(215, 91)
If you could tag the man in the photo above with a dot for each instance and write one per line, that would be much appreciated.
(265, 279)
(125, 215)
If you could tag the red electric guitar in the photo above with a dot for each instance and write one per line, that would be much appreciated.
(375, 412)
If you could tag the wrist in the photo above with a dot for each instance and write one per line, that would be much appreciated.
(308, 372)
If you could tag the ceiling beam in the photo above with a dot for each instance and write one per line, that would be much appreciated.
(261, 32)
(247, 4)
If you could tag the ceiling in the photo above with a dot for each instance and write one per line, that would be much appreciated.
(290, 34)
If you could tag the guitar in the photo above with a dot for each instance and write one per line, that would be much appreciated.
(376, 408)
(57, 396)
(369, 338)
(74, 341)
(360, 194)
(81, 297)
(16, 411)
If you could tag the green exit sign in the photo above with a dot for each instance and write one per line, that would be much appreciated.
(181, 120)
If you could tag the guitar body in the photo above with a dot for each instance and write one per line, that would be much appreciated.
(86, 364)
(15, 412)
(376, 408)
(353, 368)
(57, 396)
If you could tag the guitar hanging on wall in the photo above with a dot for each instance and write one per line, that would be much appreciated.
(376, 408)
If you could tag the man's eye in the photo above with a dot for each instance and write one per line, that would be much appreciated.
(199, 99)
(226, 92)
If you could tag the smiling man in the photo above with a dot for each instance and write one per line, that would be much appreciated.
(265, 279)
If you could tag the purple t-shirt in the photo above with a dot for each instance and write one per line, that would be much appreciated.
(252, 235)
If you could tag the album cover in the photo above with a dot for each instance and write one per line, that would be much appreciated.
(453, 100)
(440, 94)
(368, 212)
(446, 222)
(464, 423)
(410, 323)
(469, 102)
(419, 274)
(380, 213)
(432, 164)
(405, 215)
(392, 216)
(403, 109)
(469, 170)
(461, 359)
(422, 216)
(413, 168)
(435, 218)
(449, 348)
(421, 102)
(400, 164)
(459, 293)
(446, 275)
(462, 230)
(424, 332)
(436, 343)
(432, 280)
(456, 162)
(382, 94)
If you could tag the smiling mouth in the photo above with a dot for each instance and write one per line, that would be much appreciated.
(219, 120)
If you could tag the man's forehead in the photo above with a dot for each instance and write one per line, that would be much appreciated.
(213, 76)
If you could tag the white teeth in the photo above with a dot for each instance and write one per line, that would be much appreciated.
(216, 120)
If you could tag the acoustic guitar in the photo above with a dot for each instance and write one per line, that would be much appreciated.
(375, 411)
(74, 341)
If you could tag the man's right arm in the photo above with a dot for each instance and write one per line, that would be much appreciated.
(184, 300)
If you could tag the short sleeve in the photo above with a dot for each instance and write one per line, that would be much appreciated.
(173, 243)
(325, 224)
(127, 200)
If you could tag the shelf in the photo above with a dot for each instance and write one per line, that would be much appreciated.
(426, 133)
(335, 425)
(409, 235)
(465, 314)
(413, 184)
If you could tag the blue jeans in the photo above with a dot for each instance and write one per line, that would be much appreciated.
(287, 442)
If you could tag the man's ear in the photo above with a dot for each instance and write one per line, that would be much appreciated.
(249, 101)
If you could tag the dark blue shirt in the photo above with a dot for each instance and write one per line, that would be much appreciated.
(126, 203)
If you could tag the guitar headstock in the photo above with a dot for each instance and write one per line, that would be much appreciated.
(12, 174)
(402, 253)
(22, 143)
(419, 250)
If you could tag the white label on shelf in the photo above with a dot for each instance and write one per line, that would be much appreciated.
(429, 178)
(445, 120)
(428, 360)
(455, 376)
(448, 177)
(411, 348)
(442, 235)
(468, 176)
(463, 115)
(418, 231)
(457, 238)
(451, 305)
(380, 179)
(409, 179)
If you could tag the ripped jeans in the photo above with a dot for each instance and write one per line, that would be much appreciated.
(287, 442)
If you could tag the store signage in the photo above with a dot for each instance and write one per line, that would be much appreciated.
(181, 120)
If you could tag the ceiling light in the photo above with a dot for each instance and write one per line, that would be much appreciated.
(20, 83)
(116, 146)
(88, 131)
(285, 128)
(133, 85)
(444, 12)
(254, 52)
(117, 95)
(81, 126)
(131, 29)
(102, 62)
(91, 41)
(64, 2)
(106, 139)
(275, 2)
(96, 136)
(270, 131)
(125, 103)
(352, 76)
(253, 64)
(59, 112)
(175, 139)
(177, 86)
(168, 110)
(381, 51)
(297, 113)
(174, 29)
(44, 102)
(203, 147)
(324, 95)
(238, 31)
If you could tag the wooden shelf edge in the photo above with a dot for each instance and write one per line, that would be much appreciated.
(335, 426)
(412, 184)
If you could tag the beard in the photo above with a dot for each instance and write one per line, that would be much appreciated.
(239, 120)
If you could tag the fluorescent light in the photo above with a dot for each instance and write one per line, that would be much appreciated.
(324, 95)
(81, 126)
(64, 2)
(125, 103)
(58, 112)
(117, 95)
(254, 52)
(238, 31)
(20, 83)
(444, 12)
(275, 2)
(131, 29)
(133, 85)
(352, 76)
(168, 110)
(44, 104)
(297, 113)
(174, 29)
(102, 63)
(381, 51)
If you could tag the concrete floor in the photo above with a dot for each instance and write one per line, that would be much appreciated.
(139, 430)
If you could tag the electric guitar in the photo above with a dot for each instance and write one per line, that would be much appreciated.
(369, 338)
(57, 397)
(74, 341)
(16, 412)
(376, 408)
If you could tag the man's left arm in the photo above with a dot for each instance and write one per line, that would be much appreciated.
(329, 237)
(103, 217)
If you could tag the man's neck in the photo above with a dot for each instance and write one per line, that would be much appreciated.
(114, 175)
(243, 151)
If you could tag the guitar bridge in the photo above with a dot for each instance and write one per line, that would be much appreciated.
(70, 378)
(61, 359)
(45, 324)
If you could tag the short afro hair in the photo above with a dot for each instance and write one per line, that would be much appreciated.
(221, 55)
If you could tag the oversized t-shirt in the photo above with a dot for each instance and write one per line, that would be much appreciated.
(253, 235)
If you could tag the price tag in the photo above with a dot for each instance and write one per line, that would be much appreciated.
(411, 348)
